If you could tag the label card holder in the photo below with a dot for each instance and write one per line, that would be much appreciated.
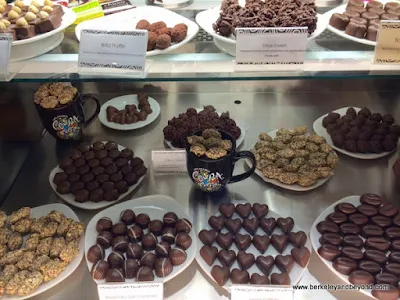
(113, 52)
(87, 11)
(387, 49)
(270, 49)
(264, 292)
(131, 291)
(169, 161)
(5, 51)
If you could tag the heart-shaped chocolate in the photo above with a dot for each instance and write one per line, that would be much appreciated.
(260, 210)
(243, 210)
(261, 242)
(242, 241)
(301, 256)
(250, 225)
(227, 210)
(226, 257)
(209, 254)
(225, 240)
(220, 274)
(268, 225)
(286, 224)
(245, 260)
(284, 262)
(217, 223)
(259, 279)
(240, 277)
(233, 225)
(207, 236)
(265, 263)
(279, 241)
(298, 239)
(280, 279)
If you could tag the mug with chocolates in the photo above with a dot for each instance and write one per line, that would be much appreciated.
(60, 108)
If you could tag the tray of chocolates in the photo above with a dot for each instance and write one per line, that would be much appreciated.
(357, 238)
(247, 243)
(39, 248)
(167, 31)
(144, 239)
(359, 21)
(97, 175)
(359, 133)
(294, 159)
(31, 21)
(195, 119)
(129, 112)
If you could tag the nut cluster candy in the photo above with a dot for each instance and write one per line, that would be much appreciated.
(362, 132)
(55, 95)
(209, 144)
(363, 241)
(51, 243)
(99, 171)
(295, 157)
(244, 238)
(136, 247)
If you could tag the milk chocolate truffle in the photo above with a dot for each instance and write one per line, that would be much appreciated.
(104, 238)
(120, 243)
(143, 220)
(177, 256)
(163, 248)
(116, 259)
(82, 196)
(170, 219)
(115, 275)
(339, 21)
(148, 259)
(149, 241)
(183, 225)
(104, 223)
(100, 269)
(145, 274)
(135, 233)
(183, 240)
(156, 226)
(357, 30)
(134, 251)
(163, 267)
(128, 216)
(95, 253)
(130, 268)
(168, 235)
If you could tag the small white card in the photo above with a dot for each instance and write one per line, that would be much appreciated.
(5, 50)
(169, 161)
(262, 46)
(114, 49)
(131, 291)
(265, 292)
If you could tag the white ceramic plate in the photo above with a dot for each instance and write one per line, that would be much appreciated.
(341, 9)
(43, 210)
(68, 18)
(315, 235)
(127, 20)
(239, 141)
(70, 199)
(155, 206)
(296, 273)
(292, 187)
(320, 130)
(119, 103)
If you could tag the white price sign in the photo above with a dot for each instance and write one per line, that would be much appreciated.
(254, 292)
(5, 50)
(131, 291)
(113, 49)
(169, 161)
(258, 46)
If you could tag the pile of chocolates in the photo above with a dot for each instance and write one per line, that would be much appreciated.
(54, 95)
(130, 114)
(362, 132)
(268, 13)
(34, 251)
(362, 21)
(294, 157)
(228, 241)
(160, 36)
(98, 172)
(139, 247)
(186, 124)
(363, 242)
(209, 144)
(24, 22)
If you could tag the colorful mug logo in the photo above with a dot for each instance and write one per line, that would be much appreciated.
(67, 127)
(207, 181)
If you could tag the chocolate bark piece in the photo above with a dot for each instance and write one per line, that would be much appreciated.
(52, 22)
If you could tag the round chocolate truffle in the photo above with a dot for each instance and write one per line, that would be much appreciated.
(170, 219)
(65, 162)
(120, 162)
(130, 268)
(106, 161)
(103, 224)
(59, 177)
(111, 146)
(163, 248)
(73, 178)
(134, 251)
(114, 154)
(143, 220)
(183, 240)
(75, 154)
(70, 170)
(93, 163)
(104, 238)
(63, 187)
(107, 186)
(135, 233)
(79, 162)
(115, 275)
(91, 186)
(115, 177)
(95, 253)
(100, 270)
(119, 229)
(88, 156)
(98, 146)
(126, 170)
(120, 243)
(148, 259)
(128, 216)
(141, 171)
(177, 256)
(137, 161)
(101, 178)
(131, 179)
(83, 170)
(101, 154)
(127, 153)
(111, 169)
(82, 196)
(145, 274)
(163, 267)
(121, 186)
(183, 225)
(156, 226)
(116, 259)
(77, 186)
(84, 147)
(97, 170)
(149, 241)
(96, 195)
(168, 235)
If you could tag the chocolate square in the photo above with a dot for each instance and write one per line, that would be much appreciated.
(49, 24)
(25, 32)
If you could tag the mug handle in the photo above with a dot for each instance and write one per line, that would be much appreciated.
(87, 97)
(240, 155)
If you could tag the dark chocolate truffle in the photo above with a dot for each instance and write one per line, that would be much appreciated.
(115, 275)
(134, 251)
(104, 223)
(98, 146)
(149, 241)
(95, 253)
(143, 220)
(100, 270)
(116, 259)
(104, 238)
(135, 233)
(96, 195)
(163, 267)
(148, 259)
(156, 226)
(130, 268)
(119, 229)
(339, 21)
(82, 196)
(111, 145)
(183, 225)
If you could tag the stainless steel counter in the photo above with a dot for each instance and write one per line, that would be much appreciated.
(258, 111)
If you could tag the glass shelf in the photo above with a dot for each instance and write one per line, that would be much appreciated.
(328, 56)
